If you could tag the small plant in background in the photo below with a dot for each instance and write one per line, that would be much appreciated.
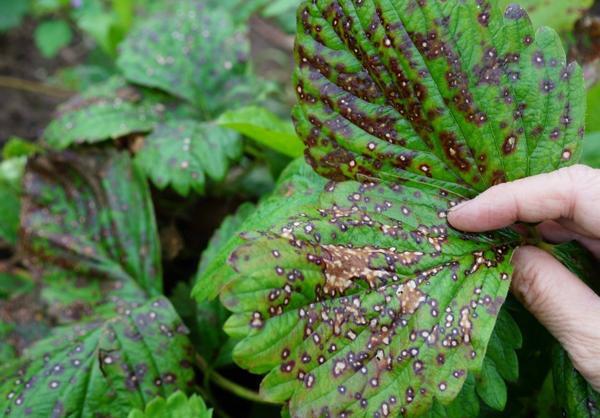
(332, 270)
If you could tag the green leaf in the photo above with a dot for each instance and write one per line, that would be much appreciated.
(176, 406)
(558, 14)
(299, 181)
(366, 302)
(107, 111)
(17, 147)
(101, 368)
(227, 230)
(591, 150)
(265, 128)
(465, 405)
(14, 284)
(189, 51)
(205, 321)
(183, 152)
(11, 13)
(78, 228)
(576, 398)
(11, 172)
(491, 387)
(51, 36)
(592, 123)
(505, 339)
(453, 91)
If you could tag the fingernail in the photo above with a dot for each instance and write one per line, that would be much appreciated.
(460, 206)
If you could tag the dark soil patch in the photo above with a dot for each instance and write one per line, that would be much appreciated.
(24, 113)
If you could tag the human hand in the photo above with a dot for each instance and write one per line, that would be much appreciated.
(567, 203)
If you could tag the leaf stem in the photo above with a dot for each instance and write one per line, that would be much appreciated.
(34, 87)
(229, 385)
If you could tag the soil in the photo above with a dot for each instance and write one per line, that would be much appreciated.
(26, 113)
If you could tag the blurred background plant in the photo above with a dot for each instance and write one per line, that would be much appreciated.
(199, 93)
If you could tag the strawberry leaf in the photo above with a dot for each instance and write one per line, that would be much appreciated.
(575, 397)
(297, 181)
(101, 368)
(367, 303)
(453, 91)
(176, 406)
(188, 52)
(183, 152)
(77, 229)
(560, 15)
(106, 111)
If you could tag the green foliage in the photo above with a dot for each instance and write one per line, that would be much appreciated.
(265, 128)
(183, 152)
(176, 406)
(77, 226)
(51, 36)
(107, 366)
(361, 300)
(11, 13)
(109, 110)
(593, 103)
(559, 15)
(509, 109)
(11, 171)
(575, 397)
(17, 147)
(105, 22)
(297, 180)
(189, 52)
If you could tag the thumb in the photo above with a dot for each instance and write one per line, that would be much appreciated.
(563, 304)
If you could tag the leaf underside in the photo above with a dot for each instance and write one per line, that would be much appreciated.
(452, 91)
(360, 300)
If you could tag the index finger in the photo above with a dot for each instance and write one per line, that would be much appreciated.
(570, 193)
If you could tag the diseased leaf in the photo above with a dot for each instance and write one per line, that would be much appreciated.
(298, 185)
(87, 222)
(23, 321)
(265, 128)
(107, 111)
(465, 405)
(559, 15)
(176, 406)
(576, 398)
(367, 303)
(453, 91)
(187, 51)
(228, 229)
(101, 368)
(183, 152)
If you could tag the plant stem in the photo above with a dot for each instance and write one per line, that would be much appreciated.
(229, 385)
(34, 87)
